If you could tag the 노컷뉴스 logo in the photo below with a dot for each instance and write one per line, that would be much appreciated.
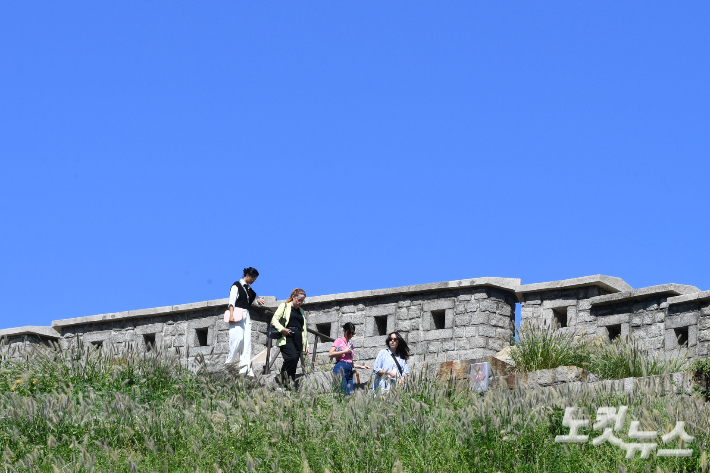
(612, 421)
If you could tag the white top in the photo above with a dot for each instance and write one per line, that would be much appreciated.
(234, 292)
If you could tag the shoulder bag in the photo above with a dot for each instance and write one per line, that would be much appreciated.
(272, 332)
(401, 373)
(238, 314)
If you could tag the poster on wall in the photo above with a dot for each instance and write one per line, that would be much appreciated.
(479, 376)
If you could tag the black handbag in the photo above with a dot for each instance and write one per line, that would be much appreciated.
(271, 331)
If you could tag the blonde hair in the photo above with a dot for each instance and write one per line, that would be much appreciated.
(295, 293)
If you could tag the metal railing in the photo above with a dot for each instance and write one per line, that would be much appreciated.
(269, 341)
(270, 362)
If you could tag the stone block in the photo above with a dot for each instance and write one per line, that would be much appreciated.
(584, 305)
(448, 345)
(149, 329)
(704, 335)
(464, 297)
(438, 304)
(471, 331)
(445, 333)
(379, 310)
(486, 331)
(496, 344)
(462, 320)
(348, 309)
(472, 306)
(478, 342)
(683, 320)
(500, 321)
(488, 306)
(504, 333)
(505, 310)
(434, 347)
(527, 313)
(200, 323)
(613, 320)
(636, 320)
(480, 295)
(403, 326)
(704, 323)
(479, 318)
(692, 335)
(655, 330)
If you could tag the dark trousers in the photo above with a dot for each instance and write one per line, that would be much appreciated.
(292, 354)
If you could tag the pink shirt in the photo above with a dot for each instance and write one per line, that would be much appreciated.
(343, 344)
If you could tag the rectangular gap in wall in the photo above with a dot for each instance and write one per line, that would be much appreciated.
(560, 315)
(438, 319)
(380, 325)
(681, 334)
(614, 331)
(201, 337)
(324, 329)
(98, 344)
(149, 341)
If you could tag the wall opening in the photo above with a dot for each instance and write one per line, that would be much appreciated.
(323, 328)
(681, 334)
(560, 316)
(201, 337)
(614, 331)
(380, 325)
(98, 344)
(149, 341)
(438, 319)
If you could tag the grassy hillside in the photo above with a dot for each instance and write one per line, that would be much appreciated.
(81, 411)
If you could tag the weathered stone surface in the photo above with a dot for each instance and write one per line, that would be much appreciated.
(608, 283)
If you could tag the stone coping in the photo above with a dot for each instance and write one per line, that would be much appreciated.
(506, 284)
(39, 330)
(152, 312)
(644, 293)
(609, 283)
(697, 296)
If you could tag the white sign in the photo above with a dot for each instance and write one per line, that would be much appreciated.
(611, 420)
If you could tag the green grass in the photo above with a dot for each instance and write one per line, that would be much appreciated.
(542, 347)
(83, 411)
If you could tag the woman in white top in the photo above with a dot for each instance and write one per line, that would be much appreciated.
(391, 364)
(241, 297)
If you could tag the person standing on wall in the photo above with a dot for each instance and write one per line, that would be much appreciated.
(290, 320)
(343, 352)
(241, 297)
(391, 364)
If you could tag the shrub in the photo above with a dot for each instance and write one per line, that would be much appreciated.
(542, 347)
(624, 358)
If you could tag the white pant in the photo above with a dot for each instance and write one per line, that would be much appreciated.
(240, 344)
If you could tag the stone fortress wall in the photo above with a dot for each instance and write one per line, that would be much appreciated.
(448, 321)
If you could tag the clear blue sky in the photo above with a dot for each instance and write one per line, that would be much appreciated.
(151, 150)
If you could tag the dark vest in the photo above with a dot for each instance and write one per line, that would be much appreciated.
(246, 298)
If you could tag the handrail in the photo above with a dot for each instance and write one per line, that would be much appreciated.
(269, 362)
